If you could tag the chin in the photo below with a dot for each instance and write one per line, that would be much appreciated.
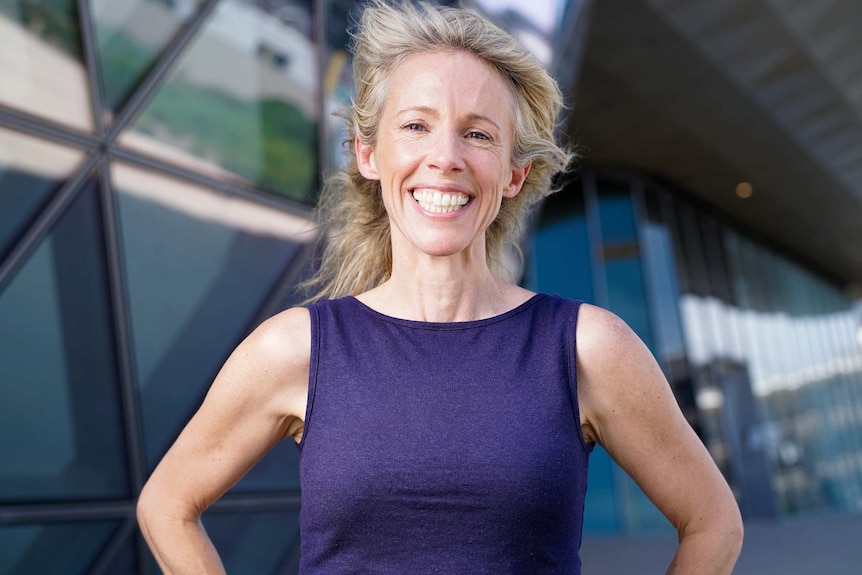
(443, 251)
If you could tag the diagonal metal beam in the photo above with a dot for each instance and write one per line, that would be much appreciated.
(122, 329)
(34, 234)
(94, 82)
(35, 126)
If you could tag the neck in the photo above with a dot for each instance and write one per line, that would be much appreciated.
(454, 288)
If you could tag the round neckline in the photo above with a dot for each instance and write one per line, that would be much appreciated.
(447, 325)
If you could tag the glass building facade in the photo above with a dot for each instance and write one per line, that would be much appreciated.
(159, 160)
(761, 352)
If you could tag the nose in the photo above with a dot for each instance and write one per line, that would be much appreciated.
(446, 152)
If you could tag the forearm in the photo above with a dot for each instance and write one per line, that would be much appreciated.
(707, 553)
(179, 544)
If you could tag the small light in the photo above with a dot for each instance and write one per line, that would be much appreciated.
(744, 190)
(709, 398)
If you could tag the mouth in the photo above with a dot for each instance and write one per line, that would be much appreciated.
(438, 202)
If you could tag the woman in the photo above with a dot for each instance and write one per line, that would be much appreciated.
(444, 415)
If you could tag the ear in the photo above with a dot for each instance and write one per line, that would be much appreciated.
(519, 175)
(365, 159)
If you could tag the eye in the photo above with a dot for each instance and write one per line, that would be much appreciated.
(414, 127)
(476, 135)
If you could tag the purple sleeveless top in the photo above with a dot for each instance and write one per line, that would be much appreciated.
(442, 447)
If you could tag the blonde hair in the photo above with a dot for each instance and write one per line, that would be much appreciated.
(357, 255)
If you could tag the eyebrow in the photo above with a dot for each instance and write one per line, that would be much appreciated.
(433, 112)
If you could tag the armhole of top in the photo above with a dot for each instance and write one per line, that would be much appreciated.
(571, 354)
(313, 363)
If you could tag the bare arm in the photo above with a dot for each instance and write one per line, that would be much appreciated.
(628, 408)
(257, 399)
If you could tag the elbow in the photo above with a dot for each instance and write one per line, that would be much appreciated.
(728, 534)
(145, 509)
(735, 534)
(734, 528)
(716, 537)
(159, 506)
(153, 506)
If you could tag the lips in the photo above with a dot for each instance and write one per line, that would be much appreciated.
(438, 202)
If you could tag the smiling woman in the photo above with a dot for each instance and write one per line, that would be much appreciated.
(444, 416)
(351, 207)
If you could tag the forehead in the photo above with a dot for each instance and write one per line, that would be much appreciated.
(450, 80)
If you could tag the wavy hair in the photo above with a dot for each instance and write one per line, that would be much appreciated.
(357, 254)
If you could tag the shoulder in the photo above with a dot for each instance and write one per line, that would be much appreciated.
(273, 358)
(268, 372)
(284, 339)
(617, 373)
(602, 335)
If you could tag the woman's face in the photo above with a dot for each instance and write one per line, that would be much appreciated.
(443, 153)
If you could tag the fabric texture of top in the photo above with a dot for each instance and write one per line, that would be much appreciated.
(442, 447)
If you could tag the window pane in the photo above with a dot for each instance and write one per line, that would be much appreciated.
(199, 267)
(254, 543)
(560, 250)
(124, 561)
(40, 61)
(662, 275)
(130, 35)
(60, 397)
(616, 213)
(626, 295)
(54, 549)
(242, 104)
(30, 171)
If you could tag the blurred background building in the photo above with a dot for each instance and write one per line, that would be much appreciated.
(160, 159)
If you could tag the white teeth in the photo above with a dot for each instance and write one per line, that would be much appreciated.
(435, 202)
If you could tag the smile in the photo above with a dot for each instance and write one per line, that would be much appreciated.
(436, 202)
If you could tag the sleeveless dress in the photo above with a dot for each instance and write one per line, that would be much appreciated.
(442, 447)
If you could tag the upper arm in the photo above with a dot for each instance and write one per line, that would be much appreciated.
(627, 407)
(257, 399)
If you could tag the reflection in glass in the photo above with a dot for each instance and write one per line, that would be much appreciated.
(254, 543)
(30, 171)
(663, 277)
(199, 267)
(67, 548)
(337, 81)
(661, 268)
(41, 65)
(130, 35)
(242, 103)
(57, 366)
(807, 427)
